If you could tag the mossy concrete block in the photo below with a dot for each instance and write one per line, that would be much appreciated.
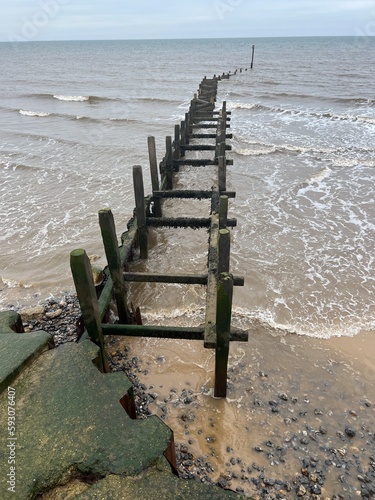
(17, 351)
(156, 482)
(70, 423)
(10, 321)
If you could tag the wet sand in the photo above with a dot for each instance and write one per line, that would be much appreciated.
(299, 419)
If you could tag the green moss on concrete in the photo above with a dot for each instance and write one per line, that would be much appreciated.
(156, 482)
(70, 421)
(17, 351)
(10, 322)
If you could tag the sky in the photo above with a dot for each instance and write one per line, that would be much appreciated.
(35, 20)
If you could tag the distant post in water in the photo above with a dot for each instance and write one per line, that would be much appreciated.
(252, 57)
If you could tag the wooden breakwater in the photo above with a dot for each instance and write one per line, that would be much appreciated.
(204, 129)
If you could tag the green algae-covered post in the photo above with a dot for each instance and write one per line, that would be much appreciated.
(223, 251)
(223, 320)
(223, 212)
(169, 162)
(86, 293)
(222, 173)
(139, 194)
(177, 147)
(154, 173)
(107, 226)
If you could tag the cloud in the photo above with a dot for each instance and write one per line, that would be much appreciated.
(79, 19)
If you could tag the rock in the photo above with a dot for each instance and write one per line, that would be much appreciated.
(97, 274)
(350, 432)
(54, 314)
(283, 396)
(301, 491)
(31, 313)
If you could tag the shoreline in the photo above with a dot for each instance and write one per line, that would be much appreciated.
(300, 422)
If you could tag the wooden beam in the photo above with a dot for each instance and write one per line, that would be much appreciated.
(184, 279)
(183, 222)
(190, 193)
(166, 332)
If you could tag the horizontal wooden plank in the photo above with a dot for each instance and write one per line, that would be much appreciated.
(191, 222)
(182, 279)
(166, 332)
(190, 193)
(203, 147)
(199, 162)
(207, 125)
(209, 136)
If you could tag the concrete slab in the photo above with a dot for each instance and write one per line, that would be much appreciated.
(158, 483)
(70, 423)
(17, 350)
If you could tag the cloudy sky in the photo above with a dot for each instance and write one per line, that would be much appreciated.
(139, 19)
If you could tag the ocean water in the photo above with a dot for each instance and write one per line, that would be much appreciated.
(74, 119)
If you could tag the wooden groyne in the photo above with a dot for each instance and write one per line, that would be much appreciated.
(204, 129)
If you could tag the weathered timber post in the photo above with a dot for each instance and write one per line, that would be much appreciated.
(223, 212)
(222, 173)
(223, 251)
(154, 173)
(177, 148)
(223, 321)
(140, 207)
(182, 138)
(108, 229)
(252, 57)
(223, 129)
(188, 128)
(169, 162)
(86, 293)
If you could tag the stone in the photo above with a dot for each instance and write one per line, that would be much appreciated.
(31, 313)
(301, 491)
(53, 314)
(350, 432)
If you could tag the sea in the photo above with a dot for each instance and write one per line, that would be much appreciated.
(75, 117)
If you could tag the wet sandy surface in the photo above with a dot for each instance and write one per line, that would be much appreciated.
(299, 418)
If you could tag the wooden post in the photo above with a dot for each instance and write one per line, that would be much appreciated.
(223, 212)
(252, 57)
(177, 149)
(223, 321)
(222, 173)
(139, 195)
(182, 138)
(169, 162)
(86, 293)
(154, 173)
(188, 128)
(223, 251)
(107, 226)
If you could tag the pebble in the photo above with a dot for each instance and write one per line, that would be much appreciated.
(350, 432)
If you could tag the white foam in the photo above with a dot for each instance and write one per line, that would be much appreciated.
(10, 283)
(32, 113)
(320, 176)
(72, 98)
